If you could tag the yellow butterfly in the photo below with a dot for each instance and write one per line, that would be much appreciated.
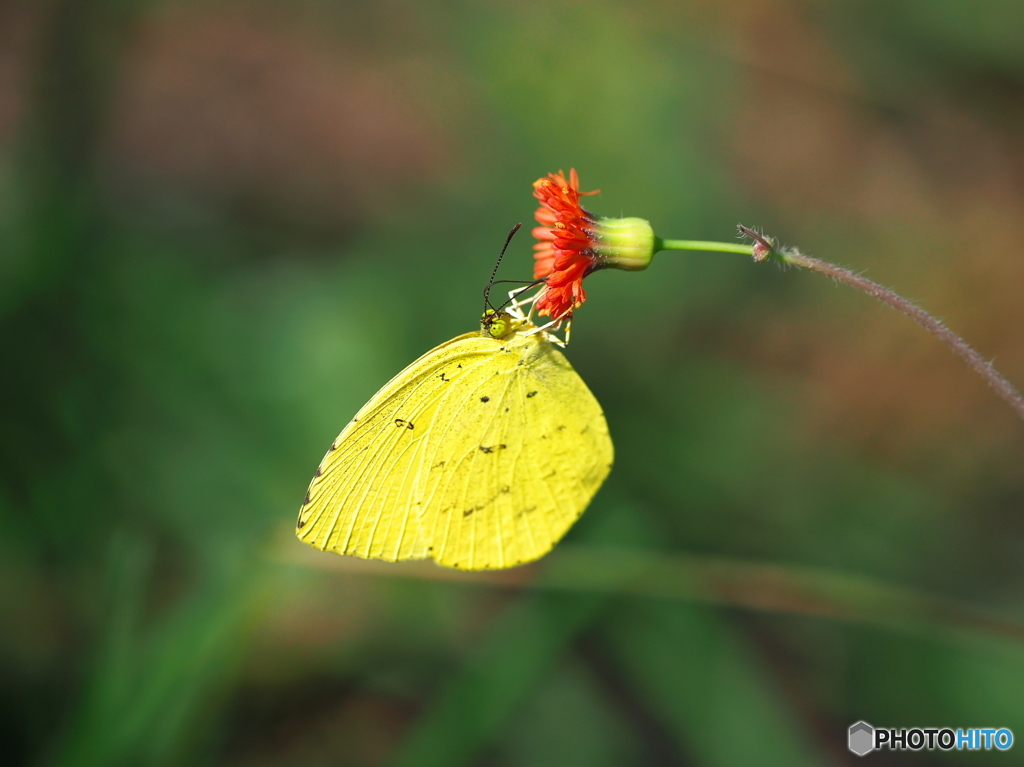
(479, 455)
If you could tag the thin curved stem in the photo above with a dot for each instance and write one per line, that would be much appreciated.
(767, 249)
(961, 348)
(777, 588)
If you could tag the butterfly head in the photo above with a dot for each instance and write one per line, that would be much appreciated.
(499, 324)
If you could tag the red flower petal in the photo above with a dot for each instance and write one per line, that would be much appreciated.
(566, 251)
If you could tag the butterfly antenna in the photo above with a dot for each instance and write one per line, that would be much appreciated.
(490, 283)
(526, 286)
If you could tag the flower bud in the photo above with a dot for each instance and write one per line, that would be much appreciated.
(624, 243)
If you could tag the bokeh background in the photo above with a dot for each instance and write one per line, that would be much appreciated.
(224, 225)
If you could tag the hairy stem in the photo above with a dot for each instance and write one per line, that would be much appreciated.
(965, 351)
(765, 249)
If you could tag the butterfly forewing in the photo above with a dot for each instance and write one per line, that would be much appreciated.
(361, 500)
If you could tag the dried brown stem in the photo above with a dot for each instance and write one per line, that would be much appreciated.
(771, 251)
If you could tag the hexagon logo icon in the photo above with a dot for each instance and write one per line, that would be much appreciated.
(861, 738)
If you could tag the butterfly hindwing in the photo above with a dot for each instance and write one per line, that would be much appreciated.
(541, 452)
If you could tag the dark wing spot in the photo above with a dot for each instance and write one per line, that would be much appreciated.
(460, 364)
(467, 512)
(319, 471)
(561, 428)
(485, 399)
(491, 448)
(437, 465)
(553, 473)
(443, 378)
(305, 502)
(506, 489)
(531, 394)
(301, 524)
(520, 362)
(401, 423)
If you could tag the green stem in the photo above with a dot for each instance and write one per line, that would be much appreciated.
(716, 247)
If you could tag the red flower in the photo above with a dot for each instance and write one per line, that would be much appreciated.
(574, 242)
(567, 251)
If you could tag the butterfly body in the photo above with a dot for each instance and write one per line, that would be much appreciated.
(480, 455)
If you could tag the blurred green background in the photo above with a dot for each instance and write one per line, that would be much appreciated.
(224, 225)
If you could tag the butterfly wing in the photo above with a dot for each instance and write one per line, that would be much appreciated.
(481, 455)
(516, 462)
(361, 500)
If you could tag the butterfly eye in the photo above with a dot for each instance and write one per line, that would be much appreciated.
(495, 324)
(499, 328)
